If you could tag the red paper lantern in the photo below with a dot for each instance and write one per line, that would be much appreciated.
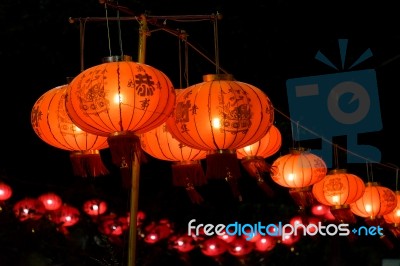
(183, 243)
(52, 124)
(214, 247)
(120, 96)
(51, 201)
(113, 225)
(393, 217)
(5, 191)
(65, 216)
(265, 243)
(299, 170)
(29, 209)
(221, 115)
(338, 189)
(240, 247)
(376, 201)
(187, 171)
(95, 207)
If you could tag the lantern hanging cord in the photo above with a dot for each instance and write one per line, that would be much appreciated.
(386, 165)
(108, 29)
(82, 27)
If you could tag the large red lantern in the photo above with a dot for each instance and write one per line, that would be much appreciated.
(221, 115)
(29, 209)
(338, 189)
(376, 201)
(52, 124)
(298, 171)
(5, 191)
(187, 171)
(253, 156)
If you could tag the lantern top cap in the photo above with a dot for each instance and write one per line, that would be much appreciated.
(372, 184)
(337, 171)
(116, 58)
(212, 77)
(298, 150)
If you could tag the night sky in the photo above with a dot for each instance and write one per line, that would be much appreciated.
(263, 43)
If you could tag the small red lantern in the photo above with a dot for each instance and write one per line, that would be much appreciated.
(29, 209)
(184, 243)
(51, 201)
(5, 191)
(52, 124)
(214, 247)
(65, 216)
(376, 201)
(338, 189)
(299, 170)
(319, 209)
(95, 207)
(240, 247)
(265, 243)
(113, 225)
(157, 231)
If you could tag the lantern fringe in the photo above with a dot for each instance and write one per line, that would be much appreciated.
(256, 167)
(303, 197)
(124, 147)
(343, 214)
(225, 165)
(87, 164)
(189, 174)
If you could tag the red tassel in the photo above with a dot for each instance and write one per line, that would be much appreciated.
(224, 164)
(124, 148)
(303, 197)
(343, 214)
(87, 163)
(255, 167)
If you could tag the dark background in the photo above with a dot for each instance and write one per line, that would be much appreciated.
(263, 43)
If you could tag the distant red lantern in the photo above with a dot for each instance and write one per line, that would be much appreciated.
(95, 207)
(240, 247)
(319, 209)
(113, 225)
(65, 216)
(183, 243)
(253, 156)
(221, 115)
(298, 171)
(29, 209)
(376, 201)
(5, 191)
(187, 171)
(214, 247)
(265, 243)
(338, 189)
(52, 124)
(51, 201)
(157, 231)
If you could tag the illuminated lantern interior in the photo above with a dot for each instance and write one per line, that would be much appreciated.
(65, 216)
(5, 191)
(29, 209)
(51, 201)
(95, 207)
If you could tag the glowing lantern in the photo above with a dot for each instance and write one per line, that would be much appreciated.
(183, 243)
(51, 201)
(95, 207)
(187, 171)
(120, 100)
(29, 209)
(240, 247)
(5, 191)
(338, 189)
(157, 231)
(253, 156)
(65, 216)
(265, 243)
(214, 247)
(376, 201)
(113, 225)
(221, 115)
(52, 124)
(393, 217)
(299, 170)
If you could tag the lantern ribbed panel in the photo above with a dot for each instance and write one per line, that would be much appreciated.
(338, 188)
(221, 114)
(393, 217)
(265, 147)
(376, 201)
(52, 124)
(160, 144)
(120, 96)
(298, 169)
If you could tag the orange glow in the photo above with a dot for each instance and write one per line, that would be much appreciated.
(393, 217)
(51, 201)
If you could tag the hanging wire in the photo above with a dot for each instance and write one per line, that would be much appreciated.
(82, 27)
(108, 28)
(180, 61)
(119, 32)
(216, 48)
(186, 62)
(397, 179)
(336, 156)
